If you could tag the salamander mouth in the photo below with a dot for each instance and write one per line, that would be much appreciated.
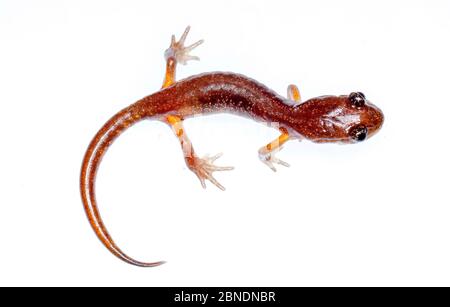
(374, 120)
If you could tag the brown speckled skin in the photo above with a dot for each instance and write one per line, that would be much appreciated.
(232, 93)
(322, 119)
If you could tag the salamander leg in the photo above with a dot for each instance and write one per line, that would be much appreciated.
(202, 167)
(294, 94)
(267, 153)
(177, 53)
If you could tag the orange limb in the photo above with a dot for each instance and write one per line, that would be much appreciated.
(201, 167)
(170, 76)
(267, 153)
(177, 53)
(293, 94)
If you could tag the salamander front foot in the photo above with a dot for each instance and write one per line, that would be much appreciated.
(268, 158)
(204, 168)
(267, 153)
(179, 52)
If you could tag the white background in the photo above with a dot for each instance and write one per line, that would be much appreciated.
(376, 213)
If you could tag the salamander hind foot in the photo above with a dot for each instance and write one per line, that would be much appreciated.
(204, 167)
(179, 52)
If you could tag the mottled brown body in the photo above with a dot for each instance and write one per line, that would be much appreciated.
(323, 119)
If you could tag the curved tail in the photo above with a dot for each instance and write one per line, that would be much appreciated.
(97, 148)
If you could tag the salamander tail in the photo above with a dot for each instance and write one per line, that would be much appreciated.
(96, 150)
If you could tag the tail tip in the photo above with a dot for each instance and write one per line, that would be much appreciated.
(149, 264)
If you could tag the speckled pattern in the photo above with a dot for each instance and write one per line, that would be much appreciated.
(322, 119)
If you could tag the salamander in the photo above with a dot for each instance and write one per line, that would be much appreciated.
(326, 119)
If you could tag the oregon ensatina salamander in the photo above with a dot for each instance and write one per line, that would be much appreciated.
(344, 119)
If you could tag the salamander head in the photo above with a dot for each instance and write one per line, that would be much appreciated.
(370, 117)
(346, 119)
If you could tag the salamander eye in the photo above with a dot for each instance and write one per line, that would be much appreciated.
(358, 133)
(357, 99)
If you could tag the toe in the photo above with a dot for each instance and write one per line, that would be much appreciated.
(281, 162)
(215, 182)
(194, 45)
(185, 34)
